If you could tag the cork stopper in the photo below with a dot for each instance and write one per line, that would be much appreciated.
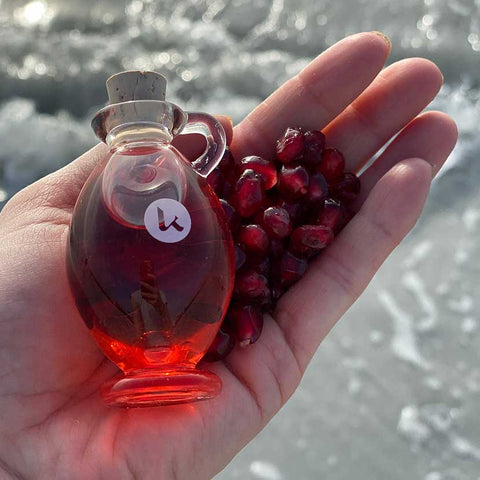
(136, 85)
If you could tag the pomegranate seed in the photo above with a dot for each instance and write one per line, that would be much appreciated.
(251, 286)
(240, 257)
(249, 193)
(246, 322)
(332, 215)
(254, 241)
(257, 219)
(317, 190)
(347, 188)
(295, 211)
(310, 239)
(290, 146)
(263, 268)
(332, 165)
(233, 218)
(293, 181)
(291, 269)
(265, 168)
(277, 247)
(215, 180)
(314, 144)
(228, 187)
(277, 222)
(221, 346)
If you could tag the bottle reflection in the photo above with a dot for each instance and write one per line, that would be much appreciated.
(150, 313)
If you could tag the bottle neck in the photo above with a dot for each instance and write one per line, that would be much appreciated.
(137, 134)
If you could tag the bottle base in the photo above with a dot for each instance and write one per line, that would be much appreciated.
(150, 388)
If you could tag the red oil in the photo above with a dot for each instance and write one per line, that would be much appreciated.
(153, 307)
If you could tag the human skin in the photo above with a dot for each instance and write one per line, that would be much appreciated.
(55, 424)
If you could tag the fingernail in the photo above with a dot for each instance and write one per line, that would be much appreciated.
(226, 117)
(384, 38)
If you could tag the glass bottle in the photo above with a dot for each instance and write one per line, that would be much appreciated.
(150, 256)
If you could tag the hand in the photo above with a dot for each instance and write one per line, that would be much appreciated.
(54, 423)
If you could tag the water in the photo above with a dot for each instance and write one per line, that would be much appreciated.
(394, 391)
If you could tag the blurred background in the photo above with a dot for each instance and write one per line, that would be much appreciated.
(394, 392)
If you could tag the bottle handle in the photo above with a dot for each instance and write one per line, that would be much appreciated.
(214, 134)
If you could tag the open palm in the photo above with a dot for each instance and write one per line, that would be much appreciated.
(54, 423)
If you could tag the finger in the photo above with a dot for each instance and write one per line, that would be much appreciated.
(316, 95)
(339, 275)
(268, 370)
(431, 136)
(394, 98)
(227, 125)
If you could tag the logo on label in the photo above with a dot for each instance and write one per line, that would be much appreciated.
(167, 220)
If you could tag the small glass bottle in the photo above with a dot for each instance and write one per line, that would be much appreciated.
(150, 257)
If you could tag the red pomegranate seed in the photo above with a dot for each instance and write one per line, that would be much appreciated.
(293, 181)
(221, 346)
(251, 286)
(233, 217)
(263, 268)
(246, 322)
(254, 241)
(270, 201)
(317, 190)
(332, 165)
(257, 219)
(310, 239)
(228, 187)
(240, 257)
(265, 168)
(314, 144)
(215, 180)
(295, 211)
(277, 247)
(332, 215)
(347, 188)
(290, 145)
(291, 269)
(249, 193)
(277, 222)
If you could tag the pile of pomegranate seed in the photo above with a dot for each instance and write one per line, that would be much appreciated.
(281, 213)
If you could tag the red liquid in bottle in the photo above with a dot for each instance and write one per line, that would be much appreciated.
(153, 307)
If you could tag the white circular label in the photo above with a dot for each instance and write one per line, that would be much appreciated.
(167, 220)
